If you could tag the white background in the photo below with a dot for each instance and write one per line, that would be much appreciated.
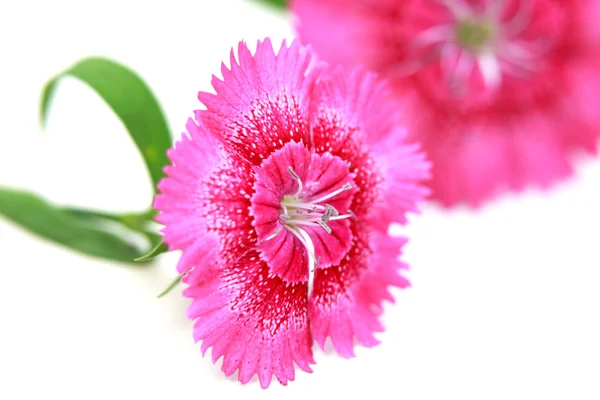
(505, 302)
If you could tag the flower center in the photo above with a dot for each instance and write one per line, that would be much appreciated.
(488, 39)
(299, 211)
(474, 36)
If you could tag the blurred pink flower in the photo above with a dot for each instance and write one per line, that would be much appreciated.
(280, 197)
(501, 93)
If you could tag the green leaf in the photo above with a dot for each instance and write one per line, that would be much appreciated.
(63, 227)
(134, 221)
(172, 285)
(281, 4)
(132, 101)
(157, 250)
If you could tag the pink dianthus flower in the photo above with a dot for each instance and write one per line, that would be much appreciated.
(500, 93)
(280, 196)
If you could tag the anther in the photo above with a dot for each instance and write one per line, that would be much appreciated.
(285, 217)
(329, 211)
(324, 226)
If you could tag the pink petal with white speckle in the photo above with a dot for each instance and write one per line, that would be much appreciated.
(347, 299)
(358, 108)
(262, 101)
(257, 323)
(180, 204)
(278, 198)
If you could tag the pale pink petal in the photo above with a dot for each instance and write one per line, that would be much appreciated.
(257, 323)
(262, 101)
(517, 120)
(358, 110)
(487, 159)
(538, 154)
(179, 202)
(347, 299)
(357, 32)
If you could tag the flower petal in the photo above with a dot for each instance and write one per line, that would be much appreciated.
(403, 168)
(180, 206)
(227, 194)
(537, 154)
(262, 101)
(256, 322)
(354, 110)
(516, 120)
(357, 31)
(205, 201)
(347, 299)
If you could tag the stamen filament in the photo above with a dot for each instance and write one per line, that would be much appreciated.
(271, 236)
(313, 261)
(297, 179)
(346, 186)
(339, 217)
(306, 206)
(307, 223)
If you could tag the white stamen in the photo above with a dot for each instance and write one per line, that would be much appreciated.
(490, 69)
(346, 186)
(343, 216)
(433, 35)
(296, 178)
(305, 239)
(293, 173)
(312, 219)
(306, 222)
(271, 236)
(309, 206)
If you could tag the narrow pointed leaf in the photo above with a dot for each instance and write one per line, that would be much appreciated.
(42, 218)
(172, 286)
(157, 250)
(281, 4)
(133, 102)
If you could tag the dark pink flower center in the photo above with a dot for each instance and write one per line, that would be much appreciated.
(301, 211)
(298, 209)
